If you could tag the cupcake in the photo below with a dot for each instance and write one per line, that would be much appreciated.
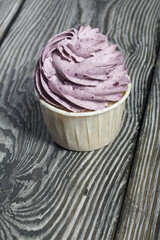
(81, 82)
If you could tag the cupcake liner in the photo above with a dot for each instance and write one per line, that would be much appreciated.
(84, 131)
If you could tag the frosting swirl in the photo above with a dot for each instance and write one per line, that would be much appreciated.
(78, 70)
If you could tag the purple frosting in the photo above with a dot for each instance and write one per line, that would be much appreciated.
(78, 70)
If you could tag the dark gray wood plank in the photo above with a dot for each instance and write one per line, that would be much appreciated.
(141, 211)
(8, 10)
(48, 192)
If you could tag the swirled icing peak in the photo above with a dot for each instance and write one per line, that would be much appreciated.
(78, 70)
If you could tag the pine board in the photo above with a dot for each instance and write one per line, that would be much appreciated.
(8, 11)
(48, 192)
(141, 211)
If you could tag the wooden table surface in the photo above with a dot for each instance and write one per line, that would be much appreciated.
(47, 192)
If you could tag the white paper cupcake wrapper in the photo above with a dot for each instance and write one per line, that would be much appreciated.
(84, 131)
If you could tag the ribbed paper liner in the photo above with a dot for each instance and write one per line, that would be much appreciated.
(84, 131)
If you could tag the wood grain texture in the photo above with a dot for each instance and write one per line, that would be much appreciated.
(8, 10)
(141, 212)
(48, 192)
